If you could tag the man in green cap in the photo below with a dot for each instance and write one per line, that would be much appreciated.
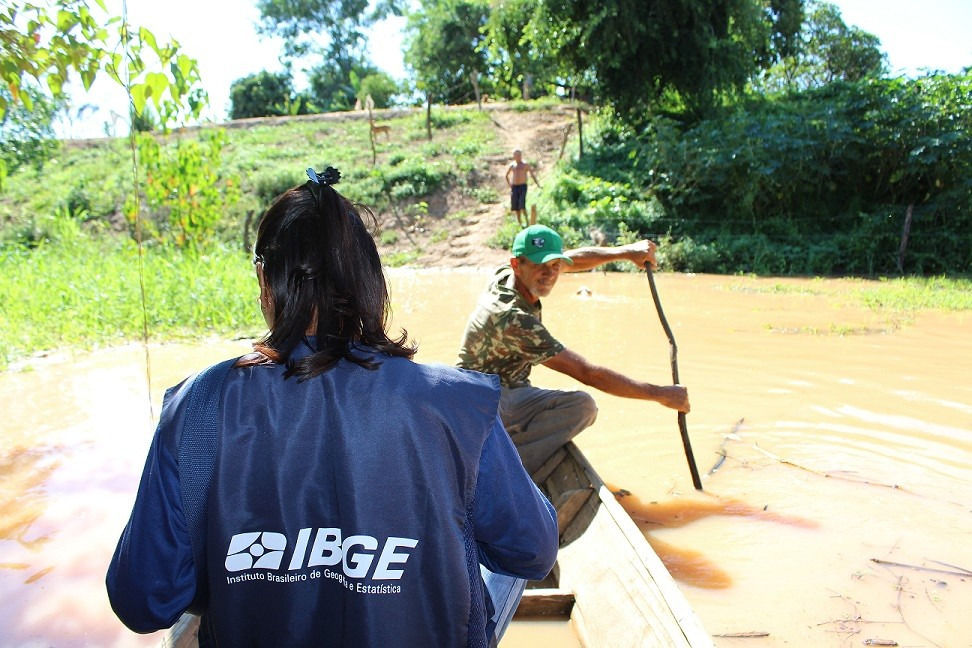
(505, 336)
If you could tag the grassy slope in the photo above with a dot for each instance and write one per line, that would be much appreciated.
(72, 278)
(266, 158)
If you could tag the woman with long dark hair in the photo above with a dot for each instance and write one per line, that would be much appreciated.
(349, 496)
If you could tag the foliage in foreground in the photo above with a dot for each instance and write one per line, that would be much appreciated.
(43, 42)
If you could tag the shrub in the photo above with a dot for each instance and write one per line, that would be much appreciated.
(262, 94)
(271, 183)
(449, 118)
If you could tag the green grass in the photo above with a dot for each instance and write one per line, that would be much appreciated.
(69, 280)
(901, 294)
(398, 259)
(918, 293)
(85, 293)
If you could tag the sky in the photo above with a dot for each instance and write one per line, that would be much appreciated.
(221, 36)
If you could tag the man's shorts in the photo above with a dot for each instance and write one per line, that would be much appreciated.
(518, 197)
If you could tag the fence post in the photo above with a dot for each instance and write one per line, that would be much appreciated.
(906, 230)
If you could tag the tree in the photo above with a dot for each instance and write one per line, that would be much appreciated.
(826, 50)
(832, 50)
(343, 21)
(78, 41)
(27, 136)
(640, 51)
(336, 84)
(262, 94)
(515, 50)
(445, 44)
(380, 87)
(301, 23)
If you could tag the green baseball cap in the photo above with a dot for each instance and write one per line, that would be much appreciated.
(539, 244)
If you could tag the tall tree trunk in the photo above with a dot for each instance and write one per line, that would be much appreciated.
(428, 115)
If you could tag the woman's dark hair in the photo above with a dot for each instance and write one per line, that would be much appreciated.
(319, 259)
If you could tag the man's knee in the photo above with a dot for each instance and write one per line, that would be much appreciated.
(585, 406)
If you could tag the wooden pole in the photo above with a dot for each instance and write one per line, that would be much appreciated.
(682, 425)
(371, 132)
(580, 135)
(567, 130)
(428, 115)
(905, 232)
(474, 77)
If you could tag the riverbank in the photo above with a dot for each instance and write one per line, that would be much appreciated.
(85, 293)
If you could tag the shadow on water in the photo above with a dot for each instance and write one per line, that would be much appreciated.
(688, 565)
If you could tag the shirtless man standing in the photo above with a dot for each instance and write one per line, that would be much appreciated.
(518, 187)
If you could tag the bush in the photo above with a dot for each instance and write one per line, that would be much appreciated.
(27, 136)
(811, 182)
(184, 188)
(449, 118)
(261, 95)
(411, 177)
(381, 87)
(581, 207)
(688, 255)
(267, 185)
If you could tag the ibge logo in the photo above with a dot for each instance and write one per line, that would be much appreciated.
(357, 555)
(250, 550)
(539, 242)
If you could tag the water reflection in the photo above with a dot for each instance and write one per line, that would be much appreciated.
(686, 565)
(677, 513)
(690, 566)
(23, 472)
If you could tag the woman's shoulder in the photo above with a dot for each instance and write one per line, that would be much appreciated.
(449, 374)
(432, 374)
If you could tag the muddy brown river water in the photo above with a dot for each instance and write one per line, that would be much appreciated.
(841, 513)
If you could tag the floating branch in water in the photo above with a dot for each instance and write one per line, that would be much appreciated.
(828, 474)
(722, 447)
(920, 568)
(963, 569)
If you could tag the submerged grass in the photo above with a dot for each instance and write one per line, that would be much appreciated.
(85, 294)
(900, 294)
(918, 293)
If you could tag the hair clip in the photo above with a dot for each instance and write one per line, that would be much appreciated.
(331, 176)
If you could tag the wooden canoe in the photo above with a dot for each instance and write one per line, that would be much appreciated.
(608, 581)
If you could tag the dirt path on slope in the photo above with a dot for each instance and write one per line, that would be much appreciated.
(456, 231)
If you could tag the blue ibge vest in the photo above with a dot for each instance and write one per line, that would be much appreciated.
(341, 507)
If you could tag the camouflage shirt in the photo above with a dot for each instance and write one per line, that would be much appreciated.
(504, 335)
